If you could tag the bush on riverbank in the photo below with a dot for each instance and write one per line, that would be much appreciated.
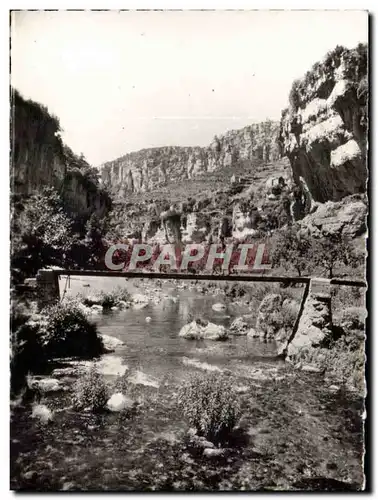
(27, 354)
(210, 406)
(90, 391)
(66, 331)
(115, 298)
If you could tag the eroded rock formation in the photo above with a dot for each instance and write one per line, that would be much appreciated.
(40, 159)
(143, 170)
(324, 130)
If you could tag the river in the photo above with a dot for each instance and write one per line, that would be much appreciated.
(292, 427)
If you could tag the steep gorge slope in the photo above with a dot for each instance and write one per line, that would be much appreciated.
(324, 130)
(145, 170)
(263, 176)
(40, 159)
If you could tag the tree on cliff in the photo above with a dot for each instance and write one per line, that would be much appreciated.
(292, 249)
(334, 249)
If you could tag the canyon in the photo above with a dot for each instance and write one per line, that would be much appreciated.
(40, 159)
(309, 167)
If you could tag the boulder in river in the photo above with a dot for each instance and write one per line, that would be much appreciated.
(110, 343)
(198, 331)
(239, 327)
(45, 385)
(218, 307)
(139, 298)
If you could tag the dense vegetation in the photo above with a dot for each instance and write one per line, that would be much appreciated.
(59, 331)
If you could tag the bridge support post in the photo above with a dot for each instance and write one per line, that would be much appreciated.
(47, 288)
(315, 323)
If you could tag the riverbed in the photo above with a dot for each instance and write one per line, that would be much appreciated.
(296, 431)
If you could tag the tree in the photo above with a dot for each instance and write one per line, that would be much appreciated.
(333, 249)
(292, 249)
(41, 233)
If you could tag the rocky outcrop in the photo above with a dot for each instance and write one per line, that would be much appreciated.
(347, 217)
(315, 325)
(324, 130)
(41, 159)
(144, 170)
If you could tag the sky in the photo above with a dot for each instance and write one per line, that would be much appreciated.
(123, 81)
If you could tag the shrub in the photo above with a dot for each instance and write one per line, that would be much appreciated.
(66, 331)
(91, 391)
(113, 298)
(27, 355)
(210, 406)
(346, 364)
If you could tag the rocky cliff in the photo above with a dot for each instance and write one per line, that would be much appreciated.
(324, 130)
(40, 158)
(144, 170)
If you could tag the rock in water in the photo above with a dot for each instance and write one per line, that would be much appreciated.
(45, 385)
(42, 413)
(196, 331)
(239, 327)
(110, 343)
(269, 307)
(119, 402)
(218, 307)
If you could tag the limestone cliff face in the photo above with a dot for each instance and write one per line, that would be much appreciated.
(40, 159)
(324, 130)
(37, 150)
(144, 170)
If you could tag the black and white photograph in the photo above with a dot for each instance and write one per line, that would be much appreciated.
(188, 250)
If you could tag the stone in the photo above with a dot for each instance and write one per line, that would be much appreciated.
(45, 385)
(42, 413)
(252, 333)
(141, 378)
(148, 319)
(268, 308)
(211, 331)
(315, 325)
(311, 369)
(110, 343)
(123, 305)
(334, 388)
(30, 475)
(239, 327)
(347, 217)
(119, 402)
(139, 298)
(213, 452)
(218, 307)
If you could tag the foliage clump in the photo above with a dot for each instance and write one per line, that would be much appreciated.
(91, 391)
(210, 406)
(66, 331)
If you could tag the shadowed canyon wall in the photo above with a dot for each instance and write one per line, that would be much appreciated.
(40, 159)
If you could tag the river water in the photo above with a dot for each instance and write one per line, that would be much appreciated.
(81, 450)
